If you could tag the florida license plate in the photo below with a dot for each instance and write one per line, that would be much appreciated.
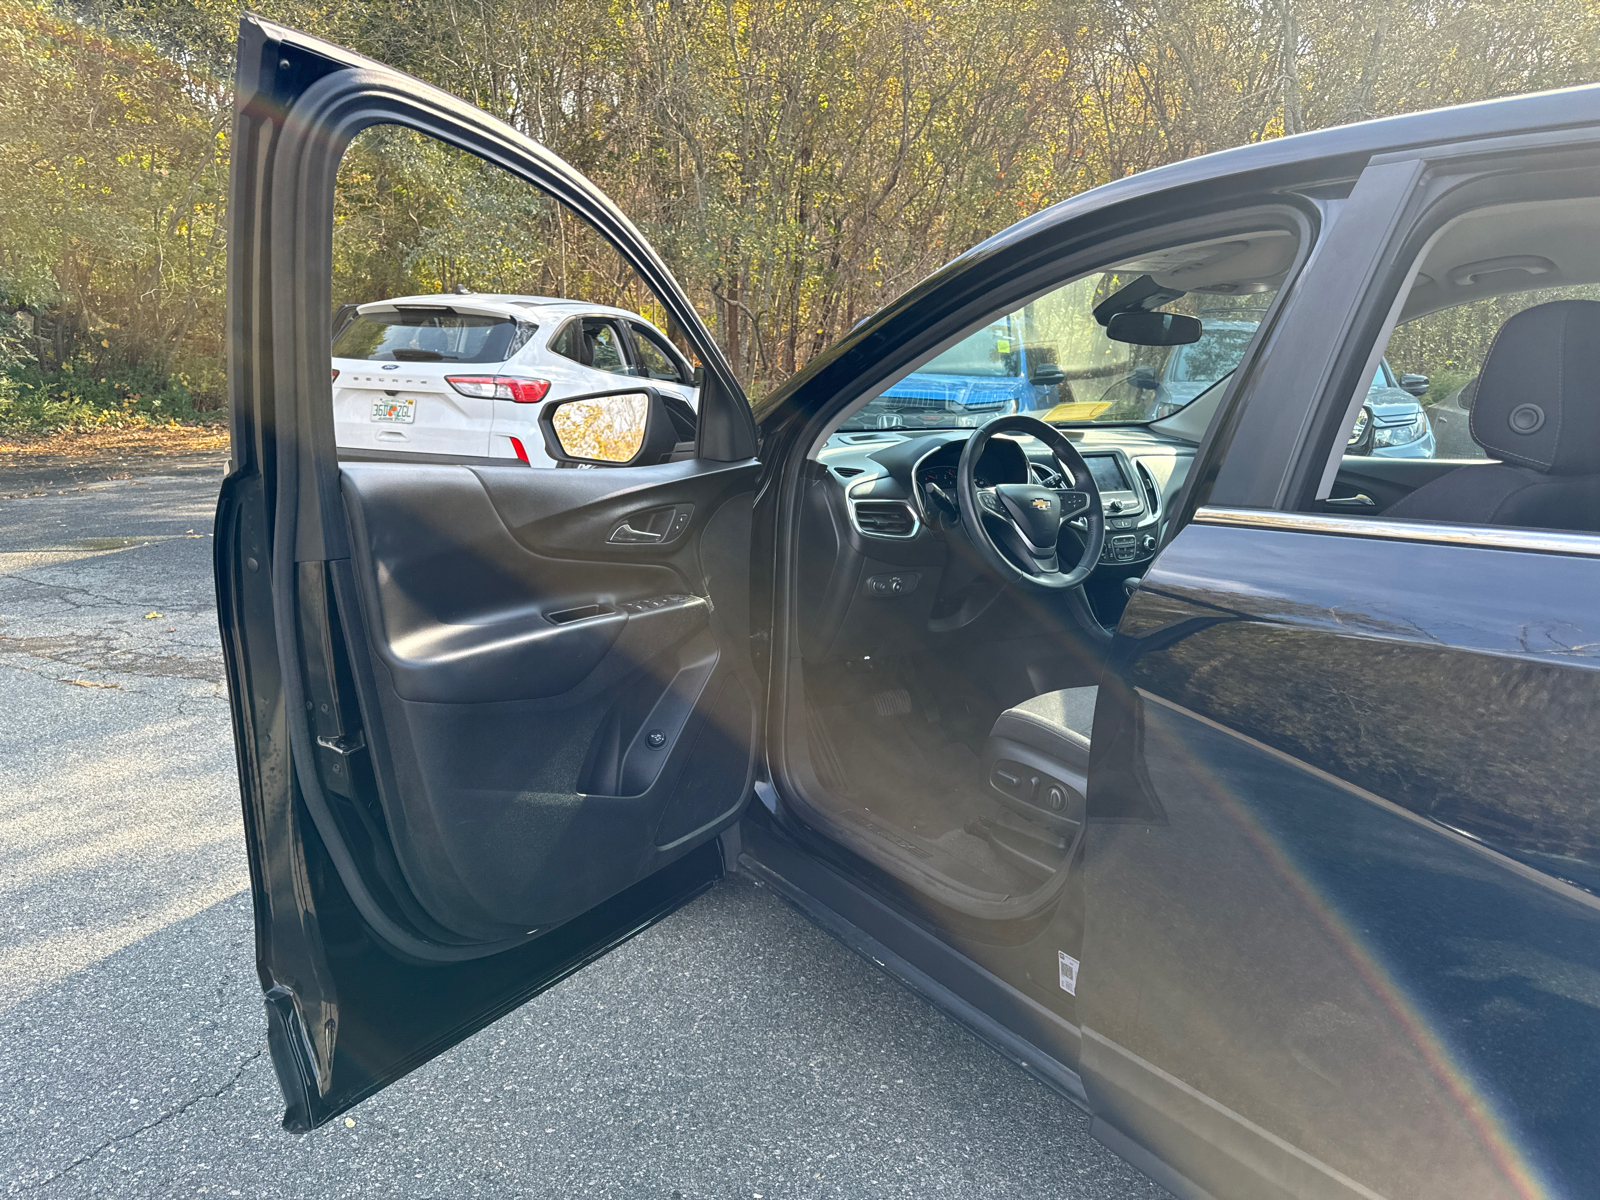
(394, 412)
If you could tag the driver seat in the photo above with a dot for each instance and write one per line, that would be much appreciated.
(1037, 757)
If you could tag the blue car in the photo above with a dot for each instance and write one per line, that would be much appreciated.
(983, 376)
(1400, 426)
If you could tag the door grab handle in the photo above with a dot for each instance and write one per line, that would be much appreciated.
(627, 533)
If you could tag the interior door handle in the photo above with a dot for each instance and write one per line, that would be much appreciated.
(627, 533)
(664, 524)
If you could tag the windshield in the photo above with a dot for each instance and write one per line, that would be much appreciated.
(1054, 360)
(430, 336)
(989, 353)
(1216, 353)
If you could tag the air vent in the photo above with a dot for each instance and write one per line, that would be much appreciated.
(846, 472)
(1152, 494)
(885, 518)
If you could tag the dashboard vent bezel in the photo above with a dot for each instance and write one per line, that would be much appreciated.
(1147, 482)
(908, 528)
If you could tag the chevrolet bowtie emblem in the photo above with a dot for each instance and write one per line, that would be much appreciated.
(1040, 502)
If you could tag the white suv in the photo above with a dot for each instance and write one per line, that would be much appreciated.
(463, 378)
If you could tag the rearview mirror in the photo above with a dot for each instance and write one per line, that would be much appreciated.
(1140, 328)
(612, 429)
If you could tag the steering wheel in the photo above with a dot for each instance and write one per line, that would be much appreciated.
(1027, 517)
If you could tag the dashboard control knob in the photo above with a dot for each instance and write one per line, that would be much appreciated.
(1114, 506)
(1148, 543)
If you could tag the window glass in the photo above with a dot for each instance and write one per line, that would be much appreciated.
(569, 341)
(604, 347)
(1056, 359)
(444, 266)
(653, 358)
(430, 336)
(1479, 273)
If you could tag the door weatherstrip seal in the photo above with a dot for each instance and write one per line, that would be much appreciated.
(1585, 545)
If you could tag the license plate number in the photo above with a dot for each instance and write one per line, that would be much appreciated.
(394, 412)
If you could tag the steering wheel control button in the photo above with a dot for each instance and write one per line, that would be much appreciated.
(901, 583)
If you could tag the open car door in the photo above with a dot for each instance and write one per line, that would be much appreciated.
(490, 720)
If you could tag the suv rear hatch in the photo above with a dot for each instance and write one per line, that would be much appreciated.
(391, 393)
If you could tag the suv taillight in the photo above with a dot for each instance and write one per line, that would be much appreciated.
(500, 387)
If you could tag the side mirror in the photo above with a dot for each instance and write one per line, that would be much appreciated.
(697, 377)
(1417, 385)
(1047, 374)
(1144, 378)
(1141, 328)
(610, 429)
(1360, 440)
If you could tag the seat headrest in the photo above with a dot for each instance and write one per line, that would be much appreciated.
(1538, 395)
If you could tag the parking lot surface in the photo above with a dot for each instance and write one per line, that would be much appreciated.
(733, 1050)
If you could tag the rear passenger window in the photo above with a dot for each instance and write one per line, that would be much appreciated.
(1479, 411)
(653, 360)
(604, 347)
(569, 341)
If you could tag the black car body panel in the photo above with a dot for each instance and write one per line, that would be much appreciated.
(1404, 870)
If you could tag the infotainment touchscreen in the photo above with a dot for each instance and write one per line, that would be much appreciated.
(1107, 473)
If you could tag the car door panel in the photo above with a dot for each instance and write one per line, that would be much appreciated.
(538, 709)
(480, 741)
(1343, 865)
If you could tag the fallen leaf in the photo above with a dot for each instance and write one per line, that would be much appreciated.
(92, 683)
(151, 616)
(349, 1123)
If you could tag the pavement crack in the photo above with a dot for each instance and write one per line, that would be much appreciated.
(164, 1118)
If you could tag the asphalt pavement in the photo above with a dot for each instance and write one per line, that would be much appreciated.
(734, 1050)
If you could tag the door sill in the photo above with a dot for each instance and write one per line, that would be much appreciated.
(937, 972)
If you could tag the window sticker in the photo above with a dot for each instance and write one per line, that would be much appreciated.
(1069, 973)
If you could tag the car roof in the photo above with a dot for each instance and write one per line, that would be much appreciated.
(541, 309)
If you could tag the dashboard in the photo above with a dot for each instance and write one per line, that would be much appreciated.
(881, 558)
(886, 477)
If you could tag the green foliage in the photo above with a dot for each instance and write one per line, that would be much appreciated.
(37, 402)
(798, 162)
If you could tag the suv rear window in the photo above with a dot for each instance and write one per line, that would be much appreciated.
(432, 336)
